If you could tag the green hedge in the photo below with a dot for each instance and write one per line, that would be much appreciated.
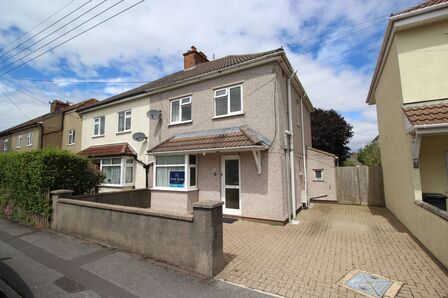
(26, 179)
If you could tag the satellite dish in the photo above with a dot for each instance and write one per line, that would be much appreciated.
(139, 137)
(154, 114)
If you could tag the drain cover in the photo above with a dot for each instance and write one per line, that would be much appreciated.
(370, 285)
(69, 285)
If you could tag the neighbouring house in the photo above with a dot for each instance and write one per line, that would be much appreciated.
(410, 91)
(232, 129)
(321, 168)
(49, 130)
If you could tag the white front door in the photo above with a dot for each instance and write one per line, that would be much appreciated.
(230, 185)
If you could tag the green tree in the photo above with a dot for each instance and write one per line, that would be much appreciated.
(370, 155)
(331, 133)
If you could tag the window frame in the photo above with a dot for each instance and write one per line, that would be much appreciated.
(180, 110)
(321, 175)
(125, 116)
(71, 134)
(5, 144)
(102, 122)
(19, 141)
(29, 137)
(186, 165)
(227, 93)
(123, 166)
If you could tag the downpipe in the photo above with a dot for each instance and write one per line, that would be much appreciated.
(290, 134)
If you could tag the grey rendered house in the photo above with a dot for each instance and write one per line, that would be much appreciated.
(234, 129)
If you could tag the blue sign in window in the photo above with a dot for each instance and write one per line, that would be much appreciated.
(177, 178)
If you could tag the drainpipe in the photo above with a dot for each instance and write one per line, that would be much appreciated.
(290, 133)
(285, 149)
(305, 181)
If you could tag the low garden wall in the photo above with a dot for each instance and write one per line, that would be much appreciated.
(133, 198)
(192, 241)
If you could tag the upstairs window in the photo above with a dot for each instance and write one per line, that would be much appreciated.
(98, 126)
(71, 137)
(29, 139)
(228, 101)
(124, 121)
(181, 110)
(5, 145)
(19, 141)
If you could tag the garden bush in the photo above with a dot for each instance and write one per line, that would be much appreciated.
(27, 178)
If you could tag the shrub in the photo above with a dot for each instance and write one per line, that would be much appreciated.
(26, 179)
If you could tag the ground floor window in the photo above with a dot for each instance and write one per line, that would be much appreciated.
(318, 174)
(119, 171)
(175, 171)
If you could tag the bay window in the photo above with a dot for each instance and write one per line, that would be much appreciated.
(124, 121)
(181, 110)
(228, 101)
(175, 172)
(118, 171)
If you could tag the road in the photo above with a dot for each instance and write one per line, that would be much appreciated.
(43, 263)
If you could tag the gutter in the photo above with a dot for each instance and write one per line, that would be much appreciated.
(125, 99)
(211, 150)
(387, 42)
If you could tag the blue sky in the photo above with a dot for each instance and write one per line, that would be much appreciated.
(332, 44)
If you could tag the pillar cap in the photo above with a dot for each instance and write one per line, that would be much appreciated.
(207, 204)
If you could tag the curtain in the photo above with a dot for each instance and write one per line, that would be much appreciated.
(163, 175)
(112, 174)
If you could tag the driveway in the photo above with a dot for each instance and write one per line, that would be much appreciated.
(308, 259)
(42, 263)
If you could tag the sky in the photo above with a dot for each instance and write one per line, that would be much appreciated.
(332, 44)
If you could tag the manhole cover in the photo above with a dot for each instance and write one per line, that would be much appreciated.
(69, 285)
(370, 285)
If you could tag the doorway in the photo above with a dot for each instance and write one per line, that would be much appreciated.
(230, 185)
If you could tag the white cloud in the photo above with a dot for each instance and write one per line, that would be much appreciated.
(147, 42)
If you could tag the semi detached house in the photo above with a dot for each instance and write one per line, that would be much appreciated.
(234, 129)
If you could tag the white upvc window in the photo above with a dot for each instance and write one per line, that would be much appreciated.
(19, 141)
(71, 137)
(175, 172)
(124, 121)
(98, 126)
(5, 144)
(228, 101)
(119, 171)
(29, 139)
(318, 174)
(180, 110)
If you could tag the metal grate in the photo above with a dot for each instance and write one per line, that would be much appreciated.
(370, 285)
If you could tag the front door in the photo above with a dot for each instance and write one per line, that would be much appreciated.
(230, 185)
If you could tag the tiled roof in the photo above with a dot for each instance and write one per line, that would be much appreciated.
(427, 114)
(179, 76)
(420, 6)
(234, 137)
(108, 150)
(36, 120)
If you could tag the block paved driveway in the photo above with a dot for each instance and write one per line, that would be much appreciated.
(307, 260)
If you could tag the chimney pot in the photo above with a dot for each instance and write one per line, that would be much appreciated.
(56, 105)
(193, 58)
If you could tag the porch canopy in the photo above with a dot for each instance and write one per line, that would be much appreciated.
(233, 139)
(425, 119)
(120, 149)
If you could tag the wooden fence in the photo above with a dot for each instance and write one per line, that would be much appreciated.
(360, 185)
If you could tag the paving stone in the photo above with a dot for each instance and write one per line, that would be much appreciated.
(309, 259)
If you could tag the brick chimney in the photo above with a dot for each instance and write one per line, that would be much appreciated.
(56, 105)
(193, 58)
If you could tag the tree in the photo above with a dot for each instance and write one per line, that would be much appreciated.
(331, 133)
(370, 154)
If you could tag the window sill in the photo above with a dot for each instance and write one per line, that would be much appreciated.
(116, 185)
(317, 180)
(437, 211)
(174, 189)
(71, 144)
(180, 123)
(98, 136)
(123, 132)
(29, 145)
(228, 115)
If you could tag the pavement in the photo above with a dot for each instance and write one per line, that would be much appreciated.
(309, 259)
(43, 263)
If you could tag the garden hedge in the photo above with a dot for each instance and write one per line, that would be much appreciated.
(26, 179)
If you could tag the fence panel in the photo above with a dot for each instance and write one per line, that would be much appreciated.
(360, 185)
